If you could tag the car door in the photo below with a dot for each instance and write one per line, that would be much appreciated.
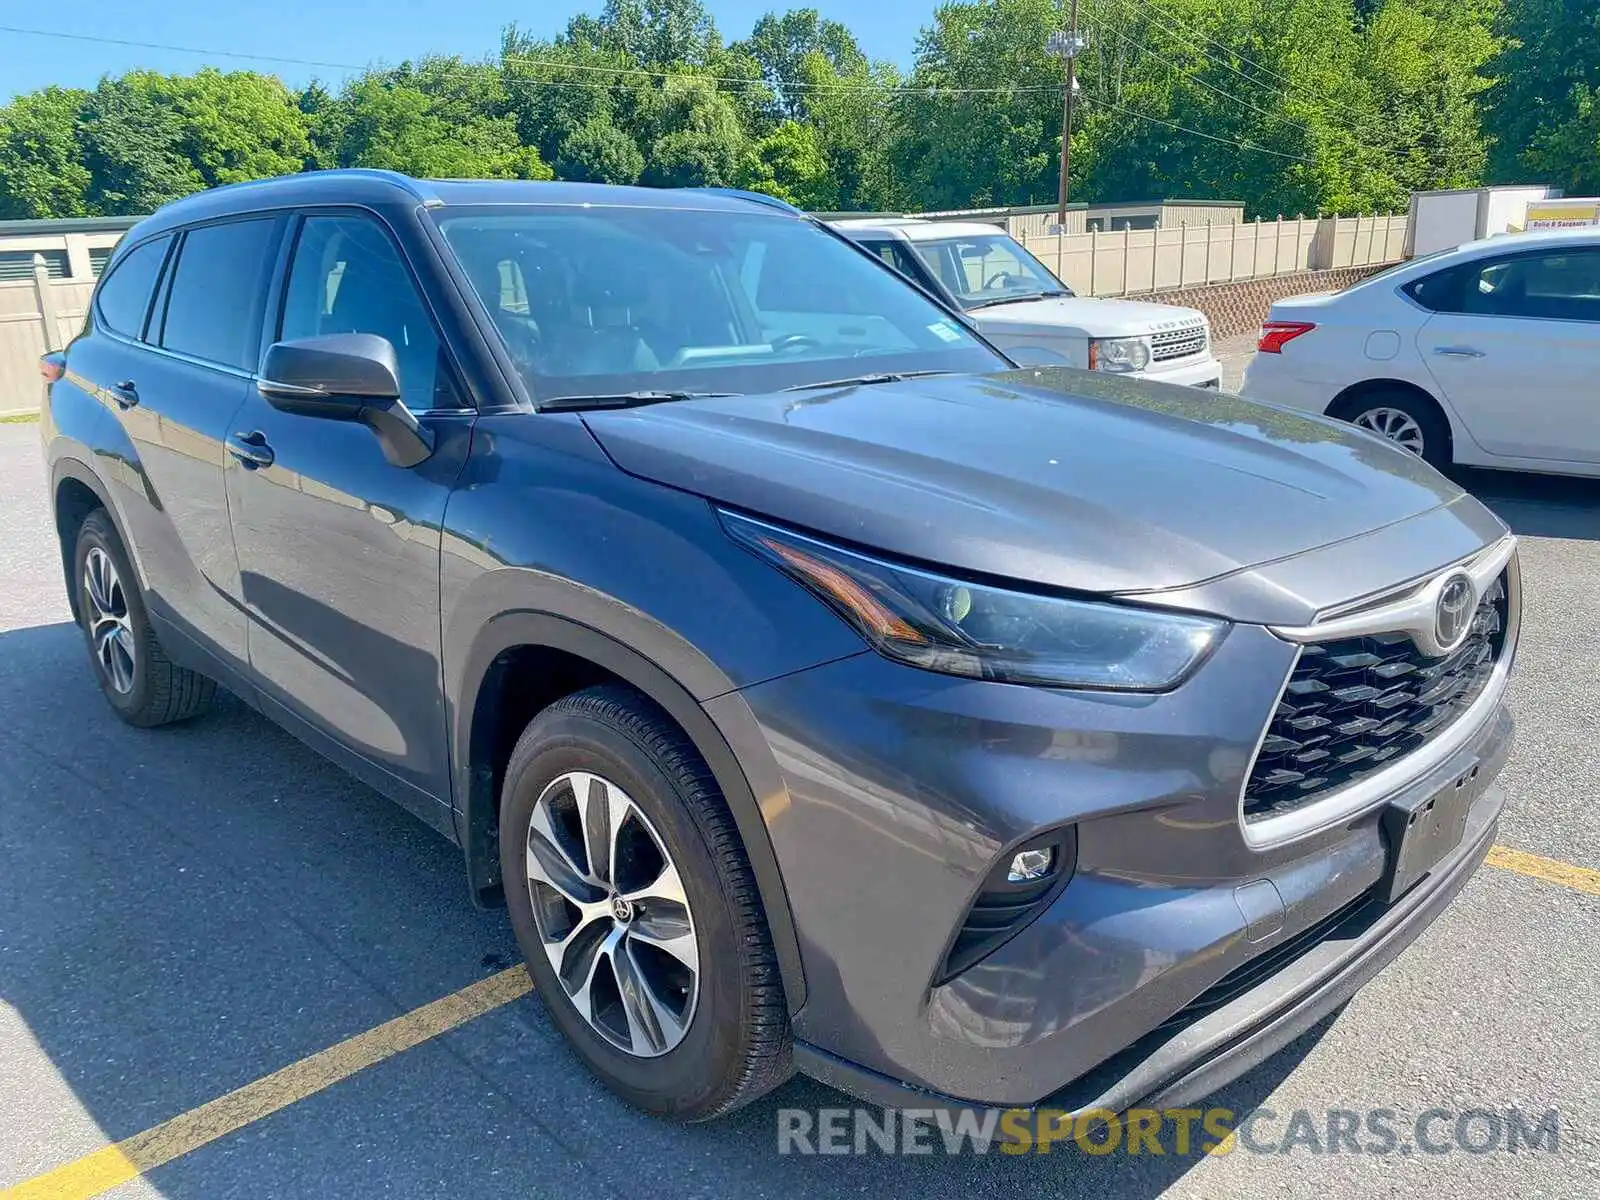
(175, 397)
(1515, 348)
(339, 549)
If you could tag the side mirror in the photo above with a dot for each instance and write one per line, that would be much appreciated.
(346, 377)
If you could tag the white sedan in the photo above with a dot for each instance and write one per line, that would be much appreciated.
(1488, 354)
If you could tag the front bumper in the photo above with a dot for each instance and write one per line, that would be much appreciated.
(1203, 372)
(1184, 1061)
(896, 791)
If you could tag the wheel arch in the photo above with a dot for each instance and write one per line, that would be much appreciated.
(565, 656)
(75, 492)
(1345, 401)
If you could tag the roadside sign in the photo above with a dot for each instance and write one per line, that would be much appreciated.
(1562, 214)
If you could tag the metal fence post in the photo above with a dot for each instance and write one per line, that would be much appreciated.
(1094, 261)
(45, 301)
(1155, 251)
(1277, 243)
(1208, 250)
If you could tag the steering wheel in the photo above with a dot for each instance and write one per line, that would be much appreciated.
(998, 280)
(795, 343)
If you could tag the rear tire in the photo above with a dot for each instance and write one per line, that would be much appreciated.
(707, 1028)
(142, 685)
(1408, 420)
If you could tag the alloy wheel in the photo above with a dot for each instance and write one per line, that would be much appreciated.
(612, 914)
(110, 629)
(1395, 424)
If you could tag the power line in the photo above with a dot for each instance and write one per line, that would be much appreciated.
(554, 65)
(930, 92)
(1129, 40)
(1159, 18)
(1106, 104)
(1149, 6)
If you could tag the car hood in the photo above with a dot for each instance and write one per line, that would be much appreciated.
(1084, 316)
(1052, 476)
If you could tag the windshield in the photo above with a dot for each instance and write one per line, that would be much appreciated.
(598, 301)
(987, 268)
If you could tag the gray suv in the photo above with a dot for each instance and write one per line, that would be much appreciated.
(814, 686)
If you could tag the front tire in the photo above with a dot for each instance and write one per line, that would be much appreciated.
(142, 685)
(636, 908)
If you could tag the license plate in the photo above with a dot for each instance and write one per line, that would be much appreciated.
(1420, 832)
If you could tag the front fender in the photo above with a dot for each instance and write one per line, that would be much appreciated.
(751, 785)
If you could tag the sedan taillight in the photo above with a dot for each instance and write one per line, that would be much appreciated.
(1275, 335)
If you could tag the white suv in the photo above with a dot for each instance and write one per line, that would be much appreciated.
(1486, 355)
(1015, 302)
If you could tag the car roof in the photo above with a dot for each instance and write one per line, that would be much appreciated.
(1585, 235)
(372, 187)
(916, 230)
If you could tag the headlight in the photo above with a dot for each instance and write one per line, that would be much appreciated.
(1118, 354)
(982, 632)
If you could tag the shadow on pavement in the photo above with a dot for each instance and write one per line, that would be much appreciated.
(1551, 506)
(185, 910)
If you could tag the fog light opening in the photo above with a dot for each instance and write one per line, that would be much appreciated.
(1031, 865)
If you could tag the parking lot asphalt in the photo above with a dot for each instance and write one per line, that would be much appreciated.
(186, 911)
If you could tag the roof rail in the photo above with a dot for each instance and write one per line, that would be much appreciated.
(754, 197)
(416, 187)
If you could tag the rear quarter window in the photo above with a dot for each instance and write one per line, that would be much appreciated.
(124, 296)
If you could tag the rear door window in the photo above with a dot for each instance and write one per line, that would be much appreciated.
(214, 305)
(124, 296)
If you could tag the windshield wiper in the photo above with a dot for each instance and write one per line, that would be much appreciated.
(1018, 299)
(621, 400)
(863, 380)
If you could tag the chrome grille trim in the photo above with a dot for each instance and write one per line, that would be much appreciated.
(1369, 792)
(1169, 344)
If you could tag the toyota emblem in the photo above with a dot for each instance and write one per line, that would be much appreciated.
(1453, 614)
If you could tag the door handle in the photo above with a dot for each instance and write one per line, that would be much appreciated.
(125, 394)
(1458, 351)
(251, 449)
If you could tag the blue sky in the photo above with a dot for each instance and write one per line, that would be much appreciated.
(349, 31)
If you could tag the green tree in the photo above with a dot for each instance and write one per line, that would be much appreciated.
(439, 118)
(788, 163)
(133, 147)
(41, 163)
(695, 136)
(780, 47)
(1545, 108)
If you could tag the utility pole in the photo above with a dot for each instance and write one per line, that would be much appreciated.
(1067, 44)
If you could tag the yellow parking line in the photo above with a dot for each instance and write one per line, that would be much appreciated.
(128, 1159)
(1579, 879)
(105, 1169)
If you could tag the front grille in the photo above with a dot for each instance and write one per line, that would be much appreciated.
(1169, 344)
(1355, 705)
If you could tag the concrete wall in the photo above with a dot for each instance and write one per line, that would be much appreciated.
(36, 315)
(1131, 262)
(46, 279)
(1237, 308)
